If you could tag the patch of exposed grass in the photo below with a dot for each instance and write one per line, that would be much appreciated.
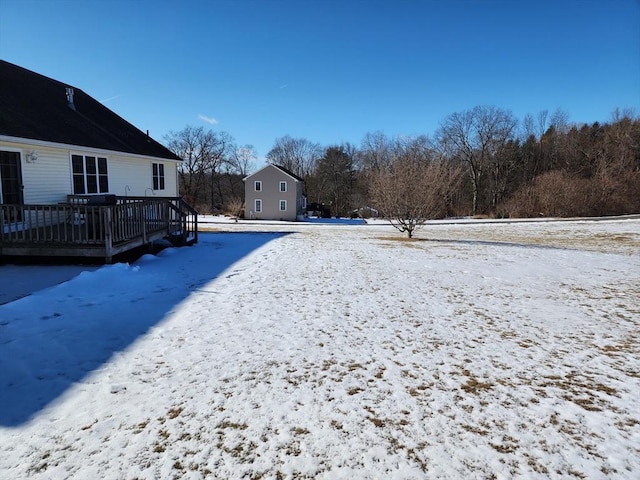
(475, 429)
(232, 425)
(159, 448)
(337, 425)
(174, 412)
(535, 465)
(402, 239)
(141, 426)
(378, 422)
(380, 373)
(581, 390)
(628, 345)
(42, 464)
(355, 366)
(473, 385)
(87, 427)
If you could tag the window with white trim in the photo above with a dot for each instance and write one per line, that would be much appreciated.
(283, 186)
(258, 186)
(283, 205)
(158, 176)
(89, 174)
(258, 205)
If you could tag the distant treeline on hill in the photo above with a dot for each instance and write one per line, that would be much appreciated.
(488, 163)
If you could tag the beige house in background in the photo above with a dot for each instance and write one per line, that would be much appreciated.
(274, 193)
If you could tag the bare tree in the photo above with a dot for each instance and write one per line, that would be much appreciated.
(204, 153)
(192, 145)
(298, 155)
(238, 163)
(532, 155)
(242, 160)
(503, 175)
(476, 137)
(375, 152)
(221, 154)
(413, 190)
(560, 121)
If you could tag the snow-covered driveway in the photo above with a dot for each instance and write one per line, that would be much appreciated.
(476, 351)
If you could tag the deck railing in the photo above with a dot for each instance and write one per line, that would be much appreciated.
(78, 222)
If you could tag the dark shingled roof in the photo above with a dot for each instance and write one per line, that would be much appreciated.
(288, 172)
(34, 106)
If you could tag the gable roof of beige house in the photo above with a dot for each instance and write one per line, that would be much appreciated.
(279, 167)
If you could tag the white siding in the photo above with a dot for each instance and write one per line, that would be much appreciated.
(129, 172)
(48, 180)
(137, 174)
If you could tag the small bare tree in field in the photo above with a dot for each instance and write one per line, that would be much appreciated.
(412, 190)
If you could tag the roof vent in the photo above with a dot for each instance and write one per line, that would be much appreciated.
(70, 98)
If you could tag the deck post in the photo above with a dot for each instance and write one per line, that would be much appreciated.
(143, 221)
(108, 234)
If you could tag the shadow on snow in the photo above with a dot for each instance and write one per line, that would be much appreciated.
(54, 338)
(335, 221)
(498, 243)
(486, 243)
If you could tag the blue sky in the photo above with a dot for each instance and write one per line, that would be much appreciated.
(330, 71)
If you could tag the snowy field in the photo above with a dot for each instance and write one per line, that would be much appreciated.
(290, 351)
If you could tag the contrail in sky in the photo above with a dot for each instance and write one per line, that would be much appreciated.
(112, 98)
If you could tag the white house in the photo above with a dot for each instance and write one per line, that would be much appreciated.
(59, 146)
(55, 140)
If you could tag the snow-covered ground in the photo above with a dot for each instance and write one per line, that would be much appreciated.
(288, 351)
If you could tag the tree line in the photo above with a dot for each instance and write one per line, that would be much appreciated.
(213, 166)
(481, 161)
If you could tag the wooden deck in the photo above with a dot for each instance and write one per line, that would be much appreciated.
(79, 228)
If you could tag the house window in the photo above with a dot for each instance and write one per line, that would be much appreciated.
(258, 206)
(258, 186)
(283, 186)
(158, 176)
(304, 202)
(89, 174)
(283, 205)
